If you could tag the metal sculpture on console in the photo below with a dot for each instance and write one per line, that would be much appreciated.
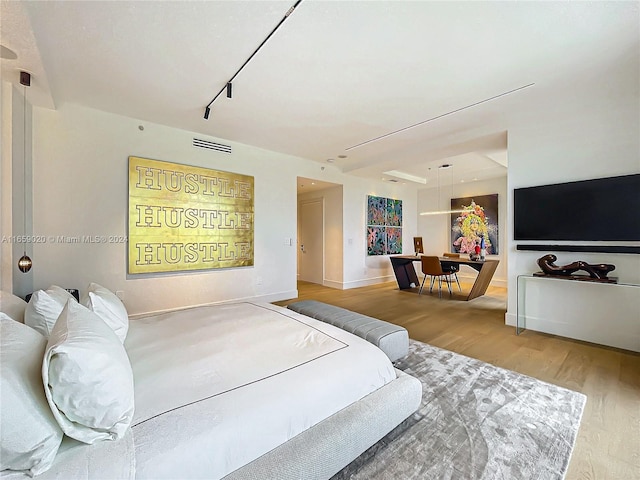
(596, 272)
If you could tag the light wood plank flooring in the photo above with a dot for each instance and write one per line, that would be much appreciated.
(608, 444)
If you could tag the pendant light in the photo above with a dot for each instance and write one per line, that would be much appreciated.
(25, 263)
(439, 211)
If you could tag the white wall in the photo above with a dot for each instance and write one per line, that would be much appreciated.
(333, 237)
(590, 132)
(435, 230)
(6, 188)
(80, 188)
(81, 182)
(360, 269)
(356, 268)
(15, 176)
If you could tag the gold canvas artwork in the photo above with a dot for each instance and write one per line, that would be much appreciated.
(184, 218)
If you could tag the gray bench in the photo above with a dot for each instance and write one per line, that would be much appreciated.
(391, 339)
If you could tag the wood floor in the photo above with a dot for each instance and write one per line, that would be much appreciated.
(608, 444)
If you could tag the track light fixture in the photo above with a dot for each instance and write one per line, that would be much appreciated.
(228, 86)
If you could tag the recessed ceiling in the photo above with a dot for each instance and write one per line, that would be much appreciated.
(306, 185)
(334, 75)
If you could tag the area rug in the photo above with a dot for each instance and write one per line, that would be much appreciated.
(476, 422)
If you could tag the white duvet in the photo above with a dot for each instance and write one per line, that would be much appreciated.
(293, 372)
(186, 356)
(219, 386)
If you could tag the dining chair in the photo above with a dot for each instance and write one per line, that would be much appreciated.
(454, 268)
(431, 267)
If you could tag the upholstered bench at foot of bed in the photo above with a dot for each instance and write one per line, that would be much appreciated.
(391, 339)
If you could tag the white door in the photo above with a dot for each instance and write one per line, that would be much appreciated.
(311, 241)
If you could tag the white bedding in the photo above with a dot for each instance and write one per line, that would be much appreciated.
(101, 461)
(219, 433)
(219, 386)
(221, 348)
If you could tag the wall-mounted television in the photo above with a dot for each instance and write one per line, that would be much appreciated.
(602, 209)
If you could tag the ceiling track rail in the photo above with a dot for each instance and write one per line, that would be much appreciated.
(228, 84)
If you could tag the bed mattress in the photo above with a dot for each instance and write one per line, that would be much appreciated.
(217, 387)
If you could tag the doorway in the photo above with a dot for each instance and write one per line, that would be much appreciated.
(311, 240)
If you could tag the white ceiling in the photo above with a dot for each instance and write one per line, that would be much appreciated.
(307, 185)
(335, 75)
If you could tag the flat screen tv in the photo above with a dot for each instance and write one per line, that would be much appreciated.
(603, 209)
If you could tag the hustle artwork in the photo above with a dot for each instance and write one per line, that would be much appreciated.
(188, 218)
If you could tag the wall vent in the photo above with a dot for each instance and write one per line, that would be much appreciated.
(218, 147)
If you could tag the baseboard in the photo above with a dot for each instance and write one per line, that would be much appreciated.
(365, 282)
(273, 297)
(333, 284)
(357, 283)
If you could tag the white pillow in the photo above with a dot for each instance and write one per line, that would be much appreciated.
(12, 306)
(30, 436)
(109, 308)
(44, 307)
(87, 377)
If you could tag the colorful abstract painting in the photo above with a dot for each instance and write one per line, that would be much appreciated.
(376, 240)
(376, 210)
(394, 213)
(394, 240)
(384, 226)
(477, 223)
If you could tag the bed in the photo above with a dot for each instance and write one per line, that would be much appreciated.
(233, 391)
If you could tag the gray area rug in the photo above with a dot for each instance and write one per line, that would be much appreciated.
(476, 422)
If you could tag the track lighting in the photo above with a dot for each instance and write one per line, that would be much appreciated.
(228, 86)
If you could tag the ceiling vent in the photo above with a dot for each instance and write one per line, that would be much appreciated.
(218, 147)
